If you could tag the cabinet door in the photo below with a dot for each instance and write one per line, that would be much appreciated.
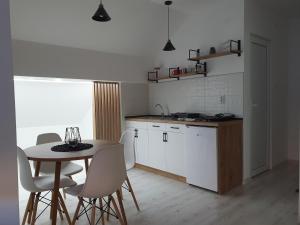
(174, 153)
(201, 157)
(141, 147)
(156, 149)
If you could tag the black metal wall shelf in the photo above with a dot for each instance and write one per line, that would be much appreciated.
(201, 69)
(231, 51)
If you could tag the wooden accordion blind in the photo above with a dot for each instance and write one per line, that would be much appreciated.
(107, 116)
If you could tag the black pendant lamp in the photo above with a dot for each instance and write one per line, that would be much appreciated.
(101, 15)
(169, 46)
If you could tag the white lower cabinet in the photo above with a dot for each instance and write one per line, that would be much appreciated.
(158, 145)
(174, 153)
(142, 147)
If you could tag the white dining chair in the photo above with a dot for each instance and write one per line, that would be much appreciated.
(106, 174)
(37, 185)
(127, 185)
(67, 168)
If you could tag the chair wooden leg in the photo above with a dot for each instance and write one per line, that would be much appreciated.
(119, 196)
(30, 207)
(51, 208)
(64, 208)
(132, 193)
(60, 212)
(77, 211)
(93, 215)
(27, 209)
(108, 208)
(117, 210)
(121, 192)
(35, 206)
(102, 212)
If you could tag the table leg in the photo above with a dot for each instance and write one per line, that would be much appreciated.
(55, 192)
(86, 163)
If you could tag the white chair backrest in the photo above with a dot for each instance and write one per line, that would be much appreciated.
(128, 140)
(106, 173)
(25, 171)
(47, 138)
(47, 167)
(123, 136)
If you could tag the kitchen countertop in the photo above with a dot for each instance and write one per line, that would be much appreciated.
(159, 119)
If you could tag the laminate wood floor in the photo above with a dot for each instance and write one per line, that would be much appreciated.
(269, 199)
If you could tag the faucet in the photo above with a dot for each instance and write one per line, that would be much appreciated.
(161, 108)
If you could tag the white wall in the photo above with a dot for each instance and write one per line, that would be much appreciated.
(51, 106)
(134, 99)
(293, 89)
(8, 159)
(199, 95)
(268, 24)
(42, 60)
(203, 25)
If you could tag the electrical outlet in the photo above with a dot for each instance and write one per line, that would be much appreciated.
(223, 99)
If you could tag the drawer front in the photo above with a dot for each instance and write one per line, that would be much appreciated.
(136, 125)
(177, 128)
(157, 126)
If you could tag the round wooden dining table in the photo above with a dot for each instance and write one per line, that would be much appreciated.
(43, 153)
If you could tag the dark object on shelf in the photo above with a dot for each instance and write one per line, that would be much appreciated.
(72, 136)
(212, 50)
(231, 51)
(169, 46)
(69, 148)
(175, 72)
(101, 15)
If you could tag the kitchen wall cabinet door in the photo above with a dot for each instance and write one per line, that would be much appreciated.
(142, 147)
(157, 149)
(174, 153)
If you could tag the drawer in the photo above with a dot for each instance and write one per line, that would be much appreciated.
(177, 128)
(157, 126)
(136, 125)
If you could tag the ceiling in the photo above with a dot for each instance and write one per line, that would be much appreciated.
(138, 27)
(133, 29)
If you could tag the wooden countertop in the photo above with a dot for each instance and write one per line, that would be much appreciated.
(157, 119)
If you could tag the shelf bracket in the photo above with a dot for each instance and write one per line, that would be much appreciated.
(150, 77)
(197, 51)
(237, 51)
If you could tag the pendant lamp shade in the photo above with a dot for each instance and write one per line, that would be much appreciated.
(169, 46)
(101, 15)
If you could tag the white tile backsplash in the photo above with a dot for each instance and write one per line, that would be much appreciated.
(199, 95)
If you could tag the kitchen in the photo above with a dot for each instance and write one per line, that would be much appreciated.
(203, 92)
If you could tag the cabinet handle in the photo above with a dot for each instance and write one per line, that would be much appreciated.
(176, 128)
(165, 137)
(136, 133)
(155, 126)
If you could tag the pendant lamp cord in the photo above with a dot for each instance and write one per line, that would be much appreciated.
(168, 22)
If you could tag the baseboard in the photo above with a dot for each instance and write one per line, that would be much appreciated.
(160, 172)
